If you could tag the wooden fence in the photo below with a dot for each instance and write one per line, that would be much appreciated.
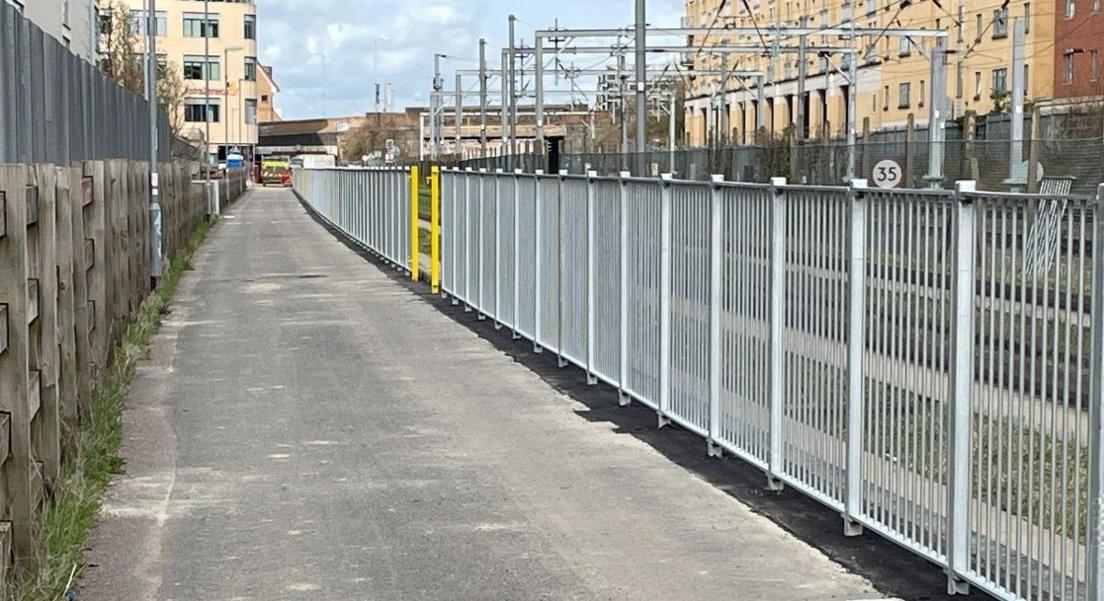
(74, 265)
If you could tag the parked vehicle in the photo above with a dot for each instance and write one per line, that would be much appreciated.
(276, 170)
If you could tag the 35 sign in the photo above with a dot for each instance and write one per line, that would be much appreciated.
(887, 174)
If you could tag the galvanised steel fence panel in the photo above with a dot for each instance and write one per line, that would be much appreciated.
(907, 321)
(606, 279)
(488, 220)
(527, 256)
(928, 363)
(1031, 406)
(744, 412)
(357, 200)
(689, 310)
(448, 231)
(474, 238)
(642, 264)
(503, 269)
(814, 411)
(573, 269)
(548, 262)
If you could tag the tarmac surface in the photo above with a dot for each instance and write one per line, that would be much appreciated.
(311, 426)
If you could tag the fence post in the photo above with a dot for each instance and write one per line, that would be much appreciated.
(856, 348)
(415, 250)
(590, 325)
(777, 328)
(467, 241)
(498, 249)
(481, 310)
(1095, 560)
(716, 256)
(538, 275)
(623, 396)
(664, 300)
(561, 361)
(455, 236)
(517, 253)
(961, 384)
(435, 229)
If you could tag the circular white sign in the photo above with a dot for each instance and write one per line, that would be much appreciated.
(887, 174)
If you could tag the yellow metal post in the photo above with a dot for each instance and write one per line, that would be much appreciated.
(435, 229)
(414, 253)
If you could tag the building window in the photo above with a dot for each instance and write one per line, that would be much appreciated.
(250, 69)
(250, 111)
(1094, 57)
(139, 20)
(1096, 6)
(906, 47)
(978, 28)
(1000, 80)
(903, 95)
(1000, 23)
(1027, 82)
(922, 96)
(1067, 67)
(1071, 8)
(1027, 17)
(195, 109)
(977, 85)
(885, 99)
(871, 7)
(194, 67)
(194, 26)
(250, 27)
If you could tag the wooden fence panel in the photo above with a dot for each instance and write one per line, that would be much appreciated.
(44, 345)
(18, 506)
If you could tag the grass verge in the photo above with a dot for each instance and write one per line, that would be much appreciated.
(63, 524)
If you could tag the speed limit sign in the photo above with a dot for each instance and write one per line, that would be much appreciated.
(887, 174)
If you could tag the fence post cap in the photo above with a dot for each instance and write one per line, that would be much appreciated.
(592, 173)
(860, 183)
(624, 174)
(538, 171)
(482, 169)
(499, 170)
(966, 185)
(666, 177)
(717, 178)
(563, 171)
(518, 171)
(778, 182)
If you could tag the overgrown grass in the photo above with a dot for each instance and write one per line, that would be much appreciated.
(63, 523)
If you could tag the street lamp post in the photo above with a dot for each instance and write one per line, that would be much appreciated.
(375, 67)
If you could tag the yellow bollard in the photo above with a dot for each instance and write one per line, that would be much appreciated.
(435, 229)
(414, 230)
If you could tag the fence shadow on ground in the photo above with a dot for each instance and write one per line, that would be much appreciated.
(894, 571)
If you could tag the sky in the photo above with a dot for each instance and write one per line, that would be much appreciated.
(327, 55)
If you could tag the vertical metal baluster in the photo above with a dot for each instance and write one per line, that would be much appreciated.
(561, 289)
(498, 250)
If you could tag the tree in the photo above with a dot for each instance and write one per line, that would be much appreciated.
(123, 62)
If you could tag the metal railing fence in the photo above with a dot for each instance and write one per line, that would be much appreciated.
(372, 206)
(830, 336)
(926, 362)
